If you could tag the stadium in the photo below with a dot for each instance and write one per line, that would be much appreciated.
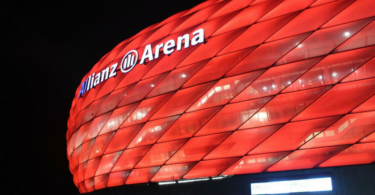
(230, 97)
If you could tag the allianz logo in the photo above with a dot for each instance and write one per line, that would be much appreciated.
(130, 59)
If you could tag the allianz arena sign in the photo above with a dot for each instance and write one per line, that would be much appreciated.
(131, 58)
(229, 87)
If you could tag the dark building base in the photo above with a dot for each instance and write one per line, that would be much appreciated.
(349, 180)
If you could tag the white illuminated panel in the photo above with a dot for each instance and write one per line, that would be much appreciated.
(291, 186)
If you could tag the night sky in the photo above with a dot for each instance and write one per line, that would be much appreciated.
(46, 49)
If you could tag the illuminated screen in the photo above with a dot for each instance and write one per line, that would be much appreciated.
(292, 186)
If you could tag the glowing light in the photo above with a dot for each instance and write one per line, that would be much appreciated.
(347, 34)
(183, 75)
(112, 123)
(211, 93)
(204, 99)
(193, 180)
(139, 114)
(251, 161)
(139, 140)
(292, 186)
(167, 182)
(262, 116)
(158, 128)
(218, 177)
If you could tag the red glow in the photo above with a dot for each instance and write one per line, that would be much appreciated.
(210, 168)
(248, 16)
(151, 132)
(348, 130)
(241, 142)
(141, 175)
(196, 148)
(188, 124)
(172, 172)
(321, 15)
(118, 178)
(293, 135)
(130, 158)
(356, 154)
(254, 163)
(305, 159)
(160, 153)
(232, 116)
(273, 86)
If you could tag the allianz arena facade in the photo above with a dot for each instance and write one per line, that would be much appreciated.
(229, 87)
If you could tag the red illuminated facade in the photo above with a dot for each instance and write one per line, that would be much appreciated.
(276, 85)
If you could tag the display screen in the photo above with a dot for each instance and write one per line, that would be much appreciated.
(292, 186)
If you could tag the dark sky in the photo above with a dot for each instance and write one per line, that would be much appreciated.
(46, 49)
